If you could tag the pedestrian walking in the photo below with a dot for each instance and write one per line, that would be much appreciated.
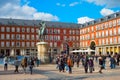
(31, 64)
(5, 63)
(16, 63)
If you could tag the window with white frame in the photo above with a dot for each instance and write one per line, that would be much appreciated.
(106, 32)
(73, 31)
(99, 41)
(2, 44)
(70, 32)
(92, 28)
(110, 40)
(18, 29)
(23, 29)
(51, 44)
(88, 29)
(32, 37)
(106, 25)
(28, 30)
(23, 44)
(106, 40)
(23, 36)
(114, 22)
(55, 44)
(115, 40)
(118, 39)
(18, 44)
(58, 37)
(32, 30)
(13, 29)
(99, 34)
(37, 37)
(110, 24)
(46, 37)
(77, 38)
(2, 36)
(13, 43)
(2, 29)
(110, 31)
(58, 31)
(73, 38)
(118, 21)
(18, 36)
(92, 35)
(32, 44)
(28, 44)
(119, 30)
(103, 41)
(7, 44)
(27, 37)
(102, 33)
(7, 29)
(64, 37)
(7, 36)
(64, 31)
(115, 31)
(12, 36)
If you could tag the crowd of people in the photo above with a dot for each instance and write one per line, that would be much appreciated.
(66, 62)
(24, 63)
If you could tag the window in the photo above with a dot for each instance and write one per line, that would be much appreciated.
(93, 36)
(99, 34)
(23, 44)
(37, 37)
(12, 36)
(13, 44)
(106, 25)
(70, 32)
(32, 30)
(28, 44)
(28, 37)
(92, 28)
(114, 22)
(106, 32)
(2, 44)
(32, 44)
(7, 36)
(115, 40)
(55, 44)
(110, 24)
(7, 44)
(114, 31)
(23, 29)
(106, 40)
(102, 33)
(28, 30)
(111, 32)
(13, 29)
(18, 36)
(103, 41)
(32, 37)
(118, 21)
(58, 31)
(18, 29)
(118, 39)
(119, 30)
(65, 37)
(51, 44)
(18, 44)
(110, 40)
(73, 31)
(7, 29)
(2, 36)
(2, 29)
(99, 41)
(23, 36)
(64, 31)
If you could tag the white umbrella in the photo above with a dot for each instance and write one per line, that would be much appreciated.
(89, 50)
(77, 51)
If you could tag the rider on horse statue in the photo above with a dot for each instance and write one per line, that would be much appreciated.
(42, 31)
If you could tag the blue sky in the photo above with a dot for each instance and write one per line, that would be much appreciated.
(72, 11)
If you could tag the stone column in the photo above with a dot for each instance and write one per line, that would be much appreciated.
(43, 52)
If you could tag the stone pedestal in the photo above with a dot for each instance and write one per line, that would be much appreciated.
(43, 55)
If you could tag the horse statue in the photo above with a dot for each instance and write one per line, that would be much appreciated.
(42, 31)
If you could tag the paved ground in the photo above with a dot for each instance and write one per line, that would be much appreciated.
(49, 72)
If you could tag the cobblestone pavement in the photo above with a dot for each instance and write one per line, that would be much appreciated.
(49, 72)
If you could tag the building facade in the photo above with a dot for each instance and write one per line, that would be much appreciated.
(102, 35)
(19, 37)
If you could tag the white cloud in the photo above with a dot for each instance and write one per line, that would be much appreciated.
(106, 11)
(83, 20)
(107, 3)
(12, 10)
(59, 4)
(73, 4)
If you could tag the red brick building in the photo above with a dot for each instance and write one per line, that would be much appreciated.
(19, 37)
